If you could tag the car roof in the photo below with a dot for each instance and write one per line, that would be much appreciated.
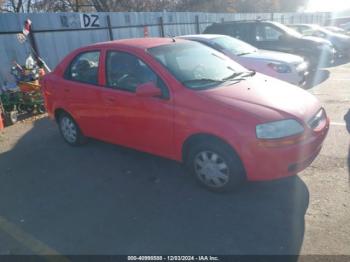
(308, 25)
(200, 36)
(138, 43)
(243, 22)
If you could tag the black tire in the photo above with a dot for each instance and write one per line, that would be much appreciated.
(41, 109)
(21, 108)
(11, 118)
(74, 140)
(29, 109)
(234, 173)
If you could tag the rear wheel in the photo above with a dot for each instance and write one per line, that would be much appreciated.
(215, 165)
(70, 131)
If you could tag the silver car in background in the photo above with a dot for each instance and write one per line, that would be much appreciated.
(287, 67)
(341, 42)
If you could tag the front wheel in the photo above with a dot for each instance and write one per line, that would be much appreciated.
(41, 109)
(70, 131)
(11, 118)
(215, 165)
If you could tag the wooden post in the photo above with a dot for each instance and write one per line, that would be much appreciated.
(161, 27)
(198, 30)
(110, 31)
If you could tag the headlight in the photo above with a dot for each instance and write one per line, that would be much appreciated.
(280, 68)
(279, 129)
(302, 66)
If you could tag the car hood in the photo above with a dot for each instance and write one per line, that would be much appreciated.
(271, 56)
(267, 98)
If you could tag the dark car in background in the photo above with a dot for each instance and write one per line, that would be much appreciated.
(337, 30)
(340, 41)
(277, 37)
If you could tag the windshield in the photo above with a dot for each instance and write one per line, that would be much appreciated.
(288, 30)
(335, 29)
(195, 65)
(235, 46)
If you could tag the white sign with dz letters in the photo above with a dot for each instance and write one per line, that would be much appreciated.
(89, 20)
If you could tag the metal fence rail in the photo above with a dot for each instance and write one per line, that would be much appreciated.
(56, 34)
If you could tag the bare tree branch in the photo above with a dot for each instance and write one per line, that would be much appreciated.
(150, 5)
(29, 3)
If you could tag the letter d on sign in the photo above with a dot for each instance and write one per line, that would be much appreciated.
(86, 20)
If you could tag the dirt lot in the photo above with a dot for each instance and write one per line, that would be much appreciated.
(103, 199)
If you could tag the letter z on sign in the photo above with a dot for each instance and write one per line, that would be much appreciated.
(89, 20)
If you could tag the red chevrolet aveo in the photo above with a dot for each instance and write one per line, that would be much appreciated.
(184, 101)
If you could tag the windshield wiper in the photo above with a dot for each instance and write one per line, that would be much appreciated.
(231, 77)
(248, 73)
(244, 53)
(239, 76)
(202, 80)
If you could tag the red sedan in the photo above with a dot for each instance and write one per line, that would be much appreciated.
(187, 102)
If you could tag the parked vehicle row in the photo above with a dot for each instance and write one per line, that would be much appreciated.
(346, 26)
(277, 37)
(337, 30)
(186, 101)
(340, 41)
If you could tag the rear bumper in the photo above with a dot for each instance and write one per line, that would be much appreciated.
(263, 163)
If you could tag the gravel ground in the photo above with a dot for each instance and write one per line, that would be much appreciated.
(104, 199)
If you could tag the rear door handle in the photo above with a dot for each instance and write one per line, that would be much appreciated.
(66, 90)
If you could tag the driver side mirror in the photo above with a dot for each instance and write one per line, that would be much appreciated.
(148, 89)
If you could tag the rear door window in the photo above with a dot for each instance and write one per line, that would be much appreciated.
(84, 68)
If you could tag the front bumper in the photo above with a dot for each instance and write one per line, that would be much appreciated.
(297, 77)
(343, 52)
(325, 57)
(268, 163)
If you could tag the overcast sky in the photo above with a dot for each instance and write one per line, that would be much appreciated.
(328, 5)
